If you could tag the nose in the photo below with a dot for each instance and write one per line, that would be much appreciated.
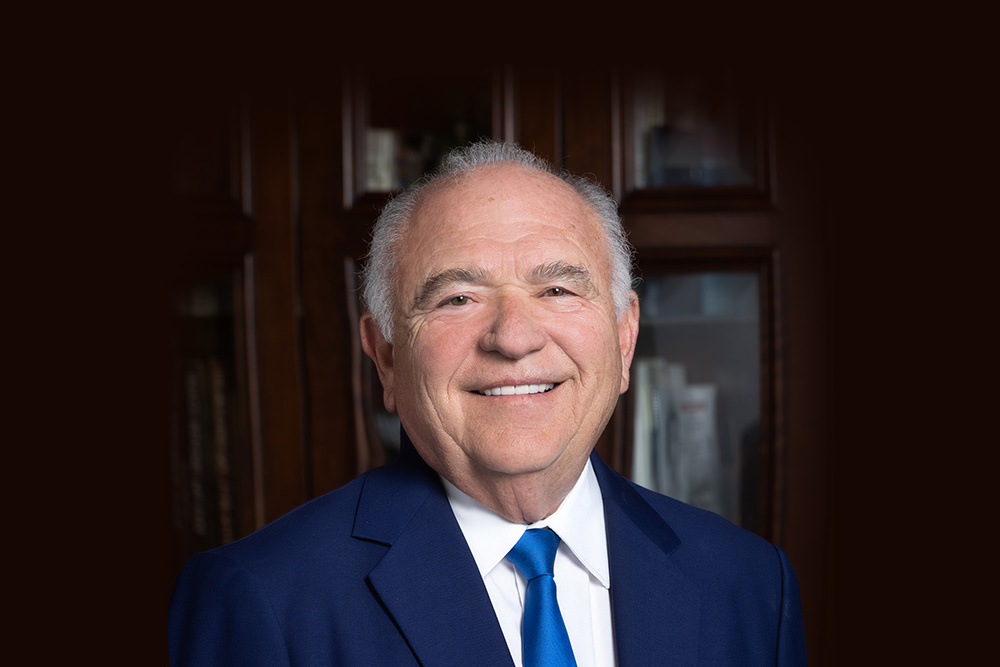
(516, 329)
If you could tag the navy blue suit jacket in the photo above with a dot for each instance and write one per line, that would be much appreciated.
(379, 573)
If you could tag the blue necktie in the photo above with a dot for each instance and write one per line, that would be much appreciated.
(544, 642)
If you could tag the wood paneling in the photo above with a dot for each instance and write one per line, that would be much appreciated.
(277, 325)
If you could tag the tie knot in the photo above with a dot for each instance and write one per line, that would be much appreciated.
(535, 553)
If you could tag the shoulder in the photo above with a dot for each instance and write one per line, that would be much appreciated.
(699, 541)
(248, 600)
(710, 543)
(689, 521)
(321, 525)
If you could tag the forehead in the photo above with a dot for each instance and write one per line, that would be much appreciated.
(501, 203)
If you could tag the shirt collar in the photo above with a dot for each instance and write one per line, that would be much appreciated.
(579, 522)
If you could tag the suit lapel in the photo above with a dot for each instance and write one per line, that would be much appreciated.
(655, 606)
(428, 580)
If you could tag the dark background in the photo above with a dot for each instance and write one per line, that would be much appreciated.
(911, 366)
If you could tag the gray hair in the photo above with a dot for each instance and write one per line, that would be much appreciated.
(382, 262)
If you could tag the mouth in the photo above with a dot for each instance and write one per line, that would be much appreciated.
(517, 389)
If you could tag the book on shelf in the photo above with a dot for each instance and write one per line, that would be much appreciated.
(202, 441)
(222, 429)
(643, 425)
(697, 455)
(675, 434)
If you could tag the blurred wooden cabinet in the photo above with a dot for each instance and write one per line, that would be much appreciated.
(275, 192)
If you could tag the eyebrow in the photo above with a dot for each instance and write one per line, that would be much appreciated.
(441, 281)
(560, 272)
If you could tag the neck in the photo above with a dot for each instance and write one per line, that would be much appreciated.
(523, 499)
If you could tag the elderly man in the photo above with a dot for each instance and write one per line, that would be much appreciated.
(502, 322)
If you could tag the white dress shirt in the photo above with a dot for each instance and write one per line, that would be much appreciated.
(581, 570)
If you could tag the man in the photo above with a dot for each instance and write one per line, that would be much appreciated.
(502, 322)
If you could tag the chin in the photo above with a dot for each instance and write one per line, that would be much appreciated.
(521, 456)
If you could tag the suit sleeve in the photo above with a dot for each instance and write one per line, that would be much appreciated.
(791, 631)
(219, 615)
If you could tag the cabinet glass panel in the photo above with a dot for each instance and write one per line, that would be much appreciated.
(689, 131)
(413, 120)
(696, 378)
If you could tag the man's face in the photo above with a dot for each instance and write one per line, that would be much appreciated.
(508, 354)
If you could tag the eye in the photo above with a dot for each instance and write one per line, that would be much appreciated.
(556, 291)
(459, 300)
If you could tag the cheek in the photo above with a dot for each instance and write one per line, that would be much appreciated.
(436, 353)
(592, 345)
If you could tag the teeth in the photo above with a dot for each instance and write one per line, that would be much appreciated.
(511, 390)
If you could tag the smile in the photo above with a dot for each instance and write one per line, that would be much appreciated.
(512, 390)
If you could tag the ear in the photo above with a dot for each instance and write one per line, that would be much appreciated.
(628, 333)
(381, 352)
